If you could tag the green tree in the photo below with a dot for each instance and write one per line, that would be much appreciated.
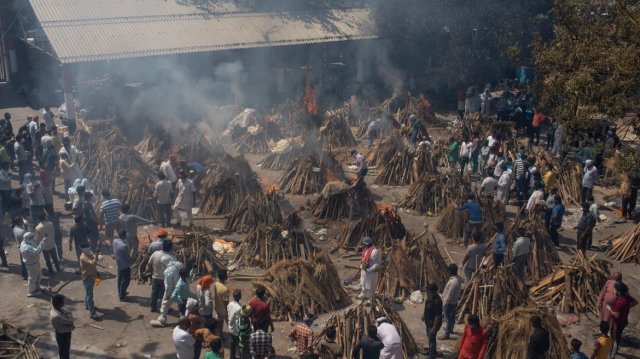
(592, 63)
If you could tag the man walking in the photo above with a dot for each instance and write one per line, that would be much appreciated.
(78, 235)
(520, 253)
(30, 252)
(369, 263)
(89, 272)
(109, 211)
(123, 264)
(585, 229)
(171, 277)
(450, 297)
(62, 323)
(432, 317)
(45, 234)
(221, 300)
(163, 192)
(474, 339)
(158, 263)
(588, 180)
(185, 200)
(129, 223)
(233, 310)
(473, 257)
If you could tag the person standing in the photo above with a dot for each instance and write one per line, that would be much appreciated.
(371, 131)
(216, 350)
(185, 200)
(163, 192)
(47, 116)
(78, 235)
(558, 140)
(36, 196)
(539, 340)
(390, 338)
(244, 332)
(89, 272)
(549, 179)
(473, 257)
(156, 245)
(432, 317)
(629, 190)
(454, 152)
(30, 252)
(499, 245)
(123, 264)
(589, 180)
(23, 157)
(167, 167)
(302, 336)
(221, 300)
(129, 223)
(450, 298)
(72, 154)
(474, 224)
(465, 155)
(158, 263)
(370, 345)
(62, 323)
(205, 299)
(328, 347)
(535, 200)
(474, 339)
(369, 263)
(69, 173)
(109, 211)
(488, 187)
(45, 234)
(604, 344)
(585, 229)
(90, 219)
(575, 345)
(18, 233)
(520, 253)
(555, 222)
(360, 163)
(233, 310)
(182, 340)
(261, 342)
(608, 296)
(504, 186)
(181, 292)
(620, 314)
(260, 309)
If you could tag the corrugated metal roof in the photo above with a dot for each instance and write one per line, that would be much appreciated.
(91, 30)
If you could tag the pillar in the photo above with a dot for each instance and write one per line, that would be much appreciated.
(69, 100)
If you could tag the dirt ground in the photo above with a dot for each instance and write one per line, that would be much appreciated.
(124, 330)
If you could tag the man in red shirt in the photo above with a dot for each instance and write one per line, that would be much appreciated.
(620, 314)
(260, 309)
(474, 340)
(302, 335)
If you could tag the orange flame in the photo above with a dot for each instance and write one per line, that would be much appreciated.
(310, 98)
(331, 177)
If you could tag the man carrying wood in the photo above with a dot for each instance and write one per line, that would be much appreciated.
(369, 264)
(520, 252)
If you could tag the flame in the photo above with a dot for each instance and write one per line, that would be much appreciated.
(274, 188)
(331, 177)
(310, 97)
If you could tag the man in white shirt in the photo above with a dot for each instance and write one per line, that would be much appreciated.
(520, 252)
(167, 167)
(185, 200)
(183, 341)
(536, 198)
(488, 186)
(504, 186)
(389, 336)
(233, 314)
(163, 193)
(450, 298)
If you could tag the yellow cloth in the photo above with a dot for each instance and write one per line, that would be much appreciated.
(550, 180)
(605, 344)
(221, 294)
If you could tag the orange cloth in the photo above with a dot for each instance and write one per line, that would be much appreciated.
(537, 119)
(473, 343)
(205, 282)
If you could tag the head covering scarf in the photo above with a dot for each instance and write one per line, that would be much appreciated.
(205, 282)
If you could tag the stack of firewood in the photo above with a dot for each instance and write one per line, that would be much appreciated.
(309, 174)
(336, 133)
(303, 286)
(575, 287)
(17, 343)
(267, 245)
(626, 248)
(254, 212)
(568, 173)
(384, 151)
(228, 181)
(452, 221)
(383, 225)
(255, 140)
(351, 326)
(339, 200)
(431, 194)
(491, 293)
(398, 171)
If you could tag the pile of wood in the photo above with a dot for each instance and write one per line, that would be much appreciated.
(491, 293)
(336, 133)
(626, 248)
(452, 222)
(267, 245)
(509, 336)
(293, 118)
(451, 219)
(398, 171)
(286, 152)
(568, 173)
(351, 326)
(574, 288)
(254, 212)
(354, 111)
(139, 271)
(543, 256)
(412, 264)
(195, 250)
(301, 286)
(255, 140)
(339, 200)
(431, 194)
(430, 158)
(17, 343)
(196, 147)
(227, 183)
(309, 174)
(385, 126)
(384, 151)
(189, 144)
(383, 225)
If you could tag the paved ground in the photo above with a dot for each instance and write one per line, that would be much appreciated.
(124, 332)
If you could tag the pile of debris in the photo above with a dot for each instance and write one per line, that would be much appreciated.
(189, 144)
(491, 293)
(17, 343)
(301, 286)
(283, 154)
(336, 133)
(351, 326)
(626, 248)
(574, 288)
(411, 264)
(267, 245)
(383, 225)
(254, 212)
(508, 337)
(354, 111)
(399, 170)
(227, 183)
(254, 140)
(340, 200)
(309, 174)
(293, 118)
(431, 194)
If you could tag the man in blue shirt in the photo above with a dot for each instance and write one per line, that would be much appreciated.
(555, 222)
(123, 263)
(475, 219)
(499, 245)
